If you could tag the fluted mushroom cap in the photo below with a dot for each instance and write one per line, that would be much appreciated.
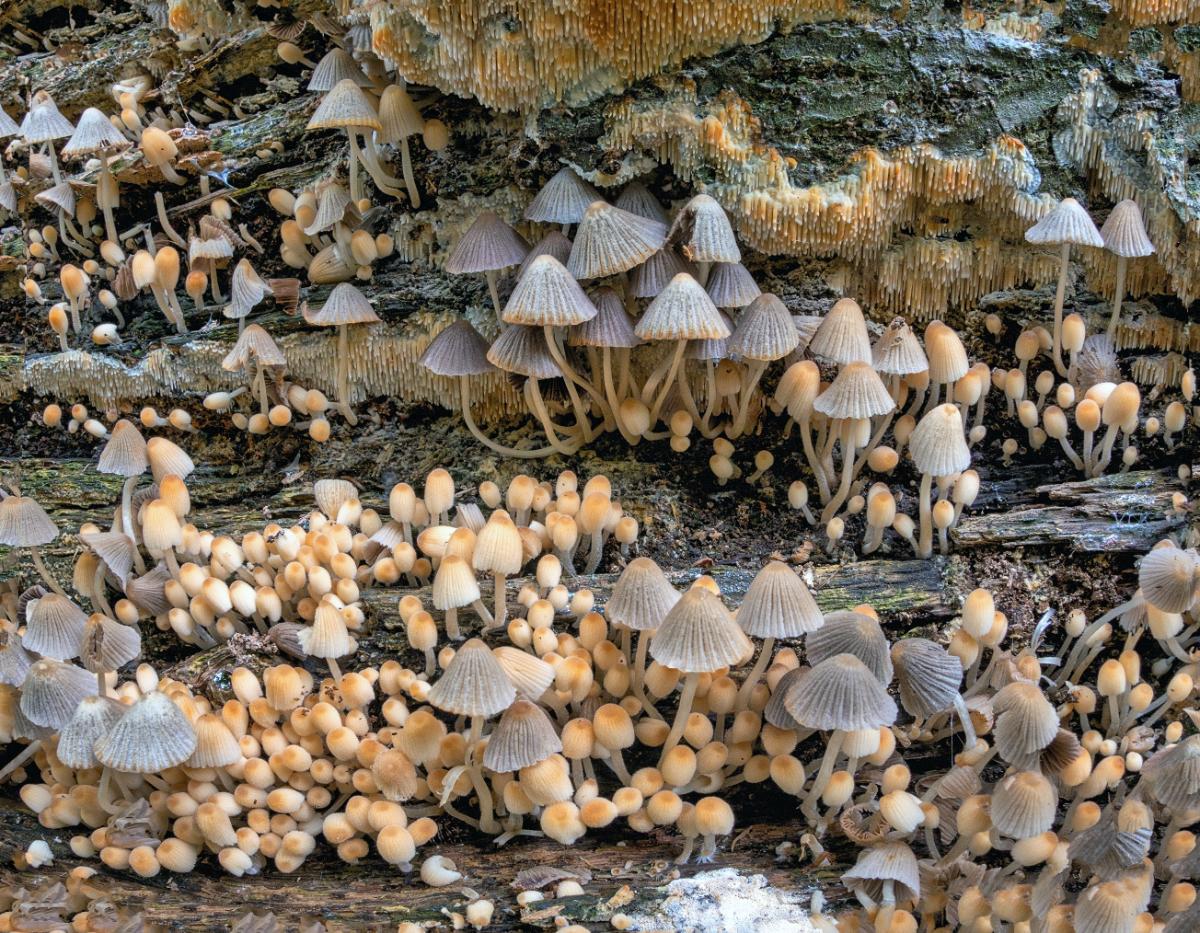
(698, 634)
(1124, 232)
(125, 453)
(847, 632)
(54, 627)
(1024, 804)
(43, 122)
(1170, 578)
(328, 636)
(14, 659)
(1173, 774)
(637, 199)
(1025, 720)
(842, 336)
(167, 458)
(929, 676)
(555, 243)
(841, 693)
(154, 734)
(898, 352)
(715, 349)
(94, 133)
(703, 231)
(610, 241)
(345, 305)
(331, 494)
(336, 65)
(253, 343)
(1068, 222)
(938, 445)
(610, 327)
(731, 286)
(8, 126)
(498, 546)
(345, 105)
(764, 330)
(474, 683)
(776, 712)
(1108, 907)
(107, 645)
(333, 202)
(24, 523)
(655, 274)
(454, 584)
(642, 596)
(52, 690)
(682, 311)
(246, 290)
(522, 350)
(488, 246)
(216, 745)
(857, 392)
(92, 719)
(891, 861)
(146, 591)
(523, 737)
(1107, 849)
(547, 295)
(777, 604)
(529, 674)
(458, 350)
(564, 199)
(398, 115)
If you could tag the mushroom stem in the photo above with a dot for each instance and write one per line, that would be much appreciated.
(36, 555)
(843, 491)
(810, 454)
(371, 162)
(596, 552)
(750, 379)
(355, 185)
(260, 384)
(54, 169)
(1118, 296)
(702, 271)
(464, 383)
(616, 761)
(1060, 296)
(343, 374)
(1105, 455)
(638, 678)
(500, 616)
(1071, 455)
(832, 750)
(614, 399)
(690, 683)
(334, 671)
(452, 630)
(676, 359)
(560, 357)
(108, 182)
(406, 169)
(487, 818)
(538, 404)
(751, 681)
(925, 542)
(127, 521)
(490, 275)
(165, 223)
(964, 716)
(25, 754)
(97, 594)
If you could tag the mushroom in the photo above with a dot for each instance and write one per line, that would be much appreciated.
(500, 552)
(126, 455)
(328, 637)
(107, 646)
(938, 448)
(703, 231)
(764, 333)
(885, 874)
(842, 336)
(1124, 235)
(640, 601)
(246, 289)
(54, 627)
(399, 119)
(346, 107)
(96, 135)
(43, 124)
(159, 149)
(344, 307)
(564, 199)
(930, 678)
(489, 246)
(523, 351)
(610, 329)
(777, 604)
(25, 524)
(254, 345)
(153, 735)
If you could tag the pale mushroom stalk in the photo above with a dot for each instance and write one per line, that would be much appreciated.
(571, 375)
(690, 683)
(814, 462)
(108, 183)
(925, 541)
(764, 658)
(750, 379)
(832, 751)
(673, 371)
(1118, 296)
(1070, 452)
(343, 370)
(638, 678)
(464, 383)
(614, 399)
(36, 556)
(487, 819)
(25, 754)
(491, 277)
(127, 521)
(355, 184)
(843, 491)
(1060, 296)
(374, 166)
(537, 405)
(165, 223)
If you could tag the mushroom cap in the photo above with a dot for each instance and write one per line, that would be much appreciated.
(216, 745)
(1106, 849)
(1024, 804)
(488, 245)
(731, 286)
(547, 296)
(776, 712)
(395, 775)
(938, 445)
(637, 199)
(345, 305)
(54, 627)
(842, 336)
(52, 690)
(246, 289)
(704, 231)
(60, 197)
(610, 327)
(254, 343)
(715, 349)
(498, 546)
(554, 243)
(698, 634)
(345, 106)
(161, 529)
(24, 523)
(841, 693)
(327, 637)
(333, 203)
(146, 592)
(474, 683)
(655, 274)
(523, 350)
(1169, 578)
(213, 248)
(947, 356)
(93, 133)
(1068, 222)
(454, 584)
(1108, 907)
(529, 674)
(610, 241)
(1124, 232)
(107, 645)
(43, 122)
(125, 454)
(331, 494)
(898, 352)
(1173, 774)
(777, 604)
(457, 350)
(398, 115)
(92, 719)
(337, 65)
(1025, 720)
(857, 392)
(847, 632)
(764, 330)
(929, 676)
(153, 735)
(523, 737)
(564, 199)
(891, 861)
(8, 126)
(642, 596)
(682, 311)
(14, 659)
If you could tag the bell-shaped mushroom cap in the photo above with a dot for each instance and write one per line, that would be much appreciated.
(488, 245)
(337, 65)
(474, 683)
(682, 311)
(642, 596)
(547, 296)
(43, 122)
(168, 458)
(929, 676)
(1025, 720)
(898, 352)
(92, 719)
(216, 745)
(254, 343)
(1067, 223)
(14, 659)
(161, 530)
(457, 350)
(24, 523)
(523, 350)
(776, 712)
(1124, 233)
(146, 592)
(345, 305)
(333, 200)
(1107, 849)
(555, 243)
(842, 336)
(764, 330)
(8, 126)
(947, 356)
(637, 199)
(246, 289)
(841, 693)
(54, 627)
(847, 632)
(331, 494)
(94, 133)
(778, 605)
(125, 453)
(655, 274)
(564, 199)
(731, 286)
(345, 105)
(856, 392)
(610, 241)
(529, 674)
(523, 737)
(327, 637)
(395, 775)
(154, 734)
(107, 645)
(702, 229)
(1024, 804)
(1173, 774)
(52, 690)
(891, 861)
(211, 247)
(59, 197)
(1054, 758)
(1108, 907)
(938, 445)
(714, 349)
(398, 115)
(610, 327)
(1170, 578)
(698, 634)
(498, 546)
(454, 584)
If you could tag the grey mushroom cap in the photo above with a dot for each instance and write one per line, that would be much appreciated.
(523, 737)
(848, 632)
(52, 690)
(929, 676)
(775, 712)
(841, 693)
(152, 735)
(642, 596)
(458, 350)
(92, 719)
(777, 604)
(473, 684)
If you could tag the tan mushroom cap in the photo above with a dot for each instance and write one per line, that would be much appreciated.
(54, 627)
(345, 305)
(776, 712)
(246, 290)
(547, 296)
(848, 632)
(125, 454)
(1025, 720)
(764, 330)
(564, 199)
(331, 494)
(1068, 222)
(1108, 907)
(1124, 232)
(253, 344)
(610, 241)
(841, 693)
(395, 775)
(842, 336)
(703, 231)
(682, 311)
(777, 604)
(947, 356)
(857, 392)
(14, 659)
(327, 637)
(167, 458)
(642, 596)
(43, 122)
(488, 245)
(92, 719)
(153, 735)
(345, 106)
(498, 546)
(454, 584)
(637, 199)
(398, 115)
(333, 205)
(24, 523)
(938, 444)
(216, 745)
(523, 737)
(698, 635)
(474, 683)
(457, 350)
